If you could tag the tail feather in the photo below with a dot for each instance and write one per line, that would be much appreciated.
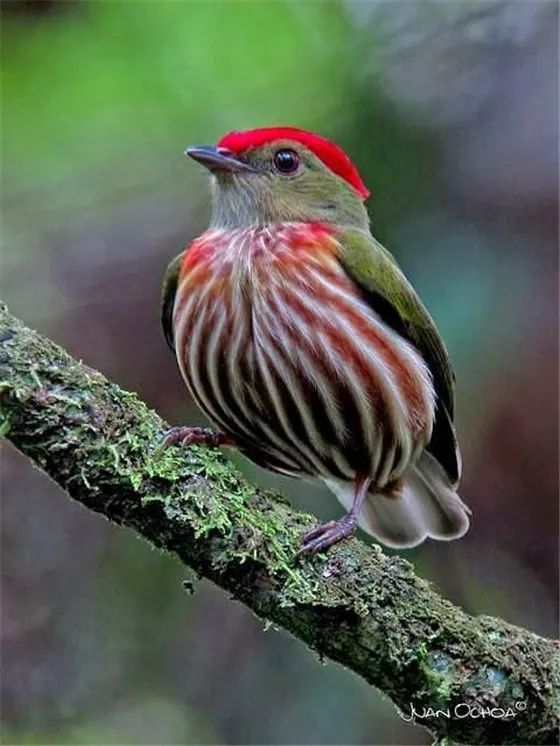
(426, 506)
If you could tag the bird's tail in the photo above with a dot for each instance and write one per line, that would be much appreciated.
(425, 506)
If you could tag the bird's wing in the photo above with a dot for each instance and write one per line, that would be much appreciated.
(168, 292)
(390, 295)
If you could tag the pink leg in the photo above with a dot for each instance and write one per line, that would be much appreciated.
(200, 436)
(323, 537)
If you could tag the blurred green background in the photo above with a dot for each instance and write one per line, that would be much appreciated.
(450, 112)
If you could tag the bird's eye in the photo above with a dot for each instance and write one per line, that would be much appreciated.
(286, 161)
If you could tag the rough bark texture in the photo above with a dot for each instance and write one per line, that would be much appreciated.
(354, 605)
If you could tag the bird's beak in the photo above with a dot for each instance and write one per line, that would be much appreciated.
(217, 159)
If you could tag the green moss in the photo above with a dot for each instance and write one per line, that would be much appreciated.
(440, 675)
(353, 604)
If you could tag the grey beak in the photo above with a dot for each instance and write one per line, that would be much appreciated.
(218, 159)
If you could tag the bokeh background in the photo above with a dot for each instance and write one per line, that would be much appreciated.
(450, 112)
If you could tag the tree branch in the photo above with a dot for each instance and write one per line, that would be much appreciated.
(355, 605)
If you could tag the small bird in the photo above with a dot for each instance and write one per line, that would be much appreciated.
(302, 341)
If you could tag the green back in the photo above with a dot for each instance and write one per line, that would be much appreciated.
(388, 292)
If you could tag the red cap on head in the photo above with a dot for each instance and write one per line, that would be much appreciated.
(332, 155)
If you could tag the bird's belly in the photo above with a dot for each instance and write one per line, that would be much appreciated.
(305, 378)
(345, 393)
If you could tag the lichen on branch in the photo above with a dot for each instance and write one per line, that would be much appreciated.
(355, 605)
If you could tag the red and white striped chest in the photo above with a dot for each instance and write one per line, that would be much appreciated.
(279, 349)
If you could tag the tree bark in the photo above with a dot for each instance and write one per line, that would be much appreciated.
(486, 681)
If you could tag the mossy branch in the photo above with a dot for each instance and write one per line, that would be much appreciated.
(354, 605)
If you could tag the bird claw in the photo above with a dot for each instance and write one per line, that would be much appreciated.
(324, 536)
(188, 436)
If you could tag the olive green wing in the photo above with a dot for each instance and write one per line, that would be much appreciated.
(168, 292)
(392, 297)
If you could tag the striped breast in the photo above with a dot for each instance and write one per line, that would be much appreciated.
(280, 351)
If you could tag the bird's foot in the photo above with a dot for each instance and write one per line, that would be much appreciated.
(323, 537)
(199, 436)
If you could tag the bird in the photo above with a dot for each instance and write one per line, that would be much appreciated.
(301, 340)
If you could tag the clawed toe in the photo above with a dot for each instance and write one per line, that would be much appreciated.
(318, 531)
(186, 436)
(324, 536)
(182, 436)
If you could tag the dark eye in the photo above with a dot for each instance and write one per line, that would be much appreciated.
(286, 161)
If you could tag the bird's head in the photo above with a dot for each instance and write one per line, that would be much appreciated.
(281, 174)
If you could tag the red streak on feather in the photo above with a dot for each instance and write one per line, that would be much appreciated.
(331, 154)
(412, 389)
(339, 342)
(293, 248)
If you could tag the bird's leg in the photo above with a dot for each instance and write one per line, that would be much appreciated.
(200, 436)
(323, 537)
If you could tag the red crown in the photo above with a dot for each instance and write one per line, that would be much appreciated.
(332, 155)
